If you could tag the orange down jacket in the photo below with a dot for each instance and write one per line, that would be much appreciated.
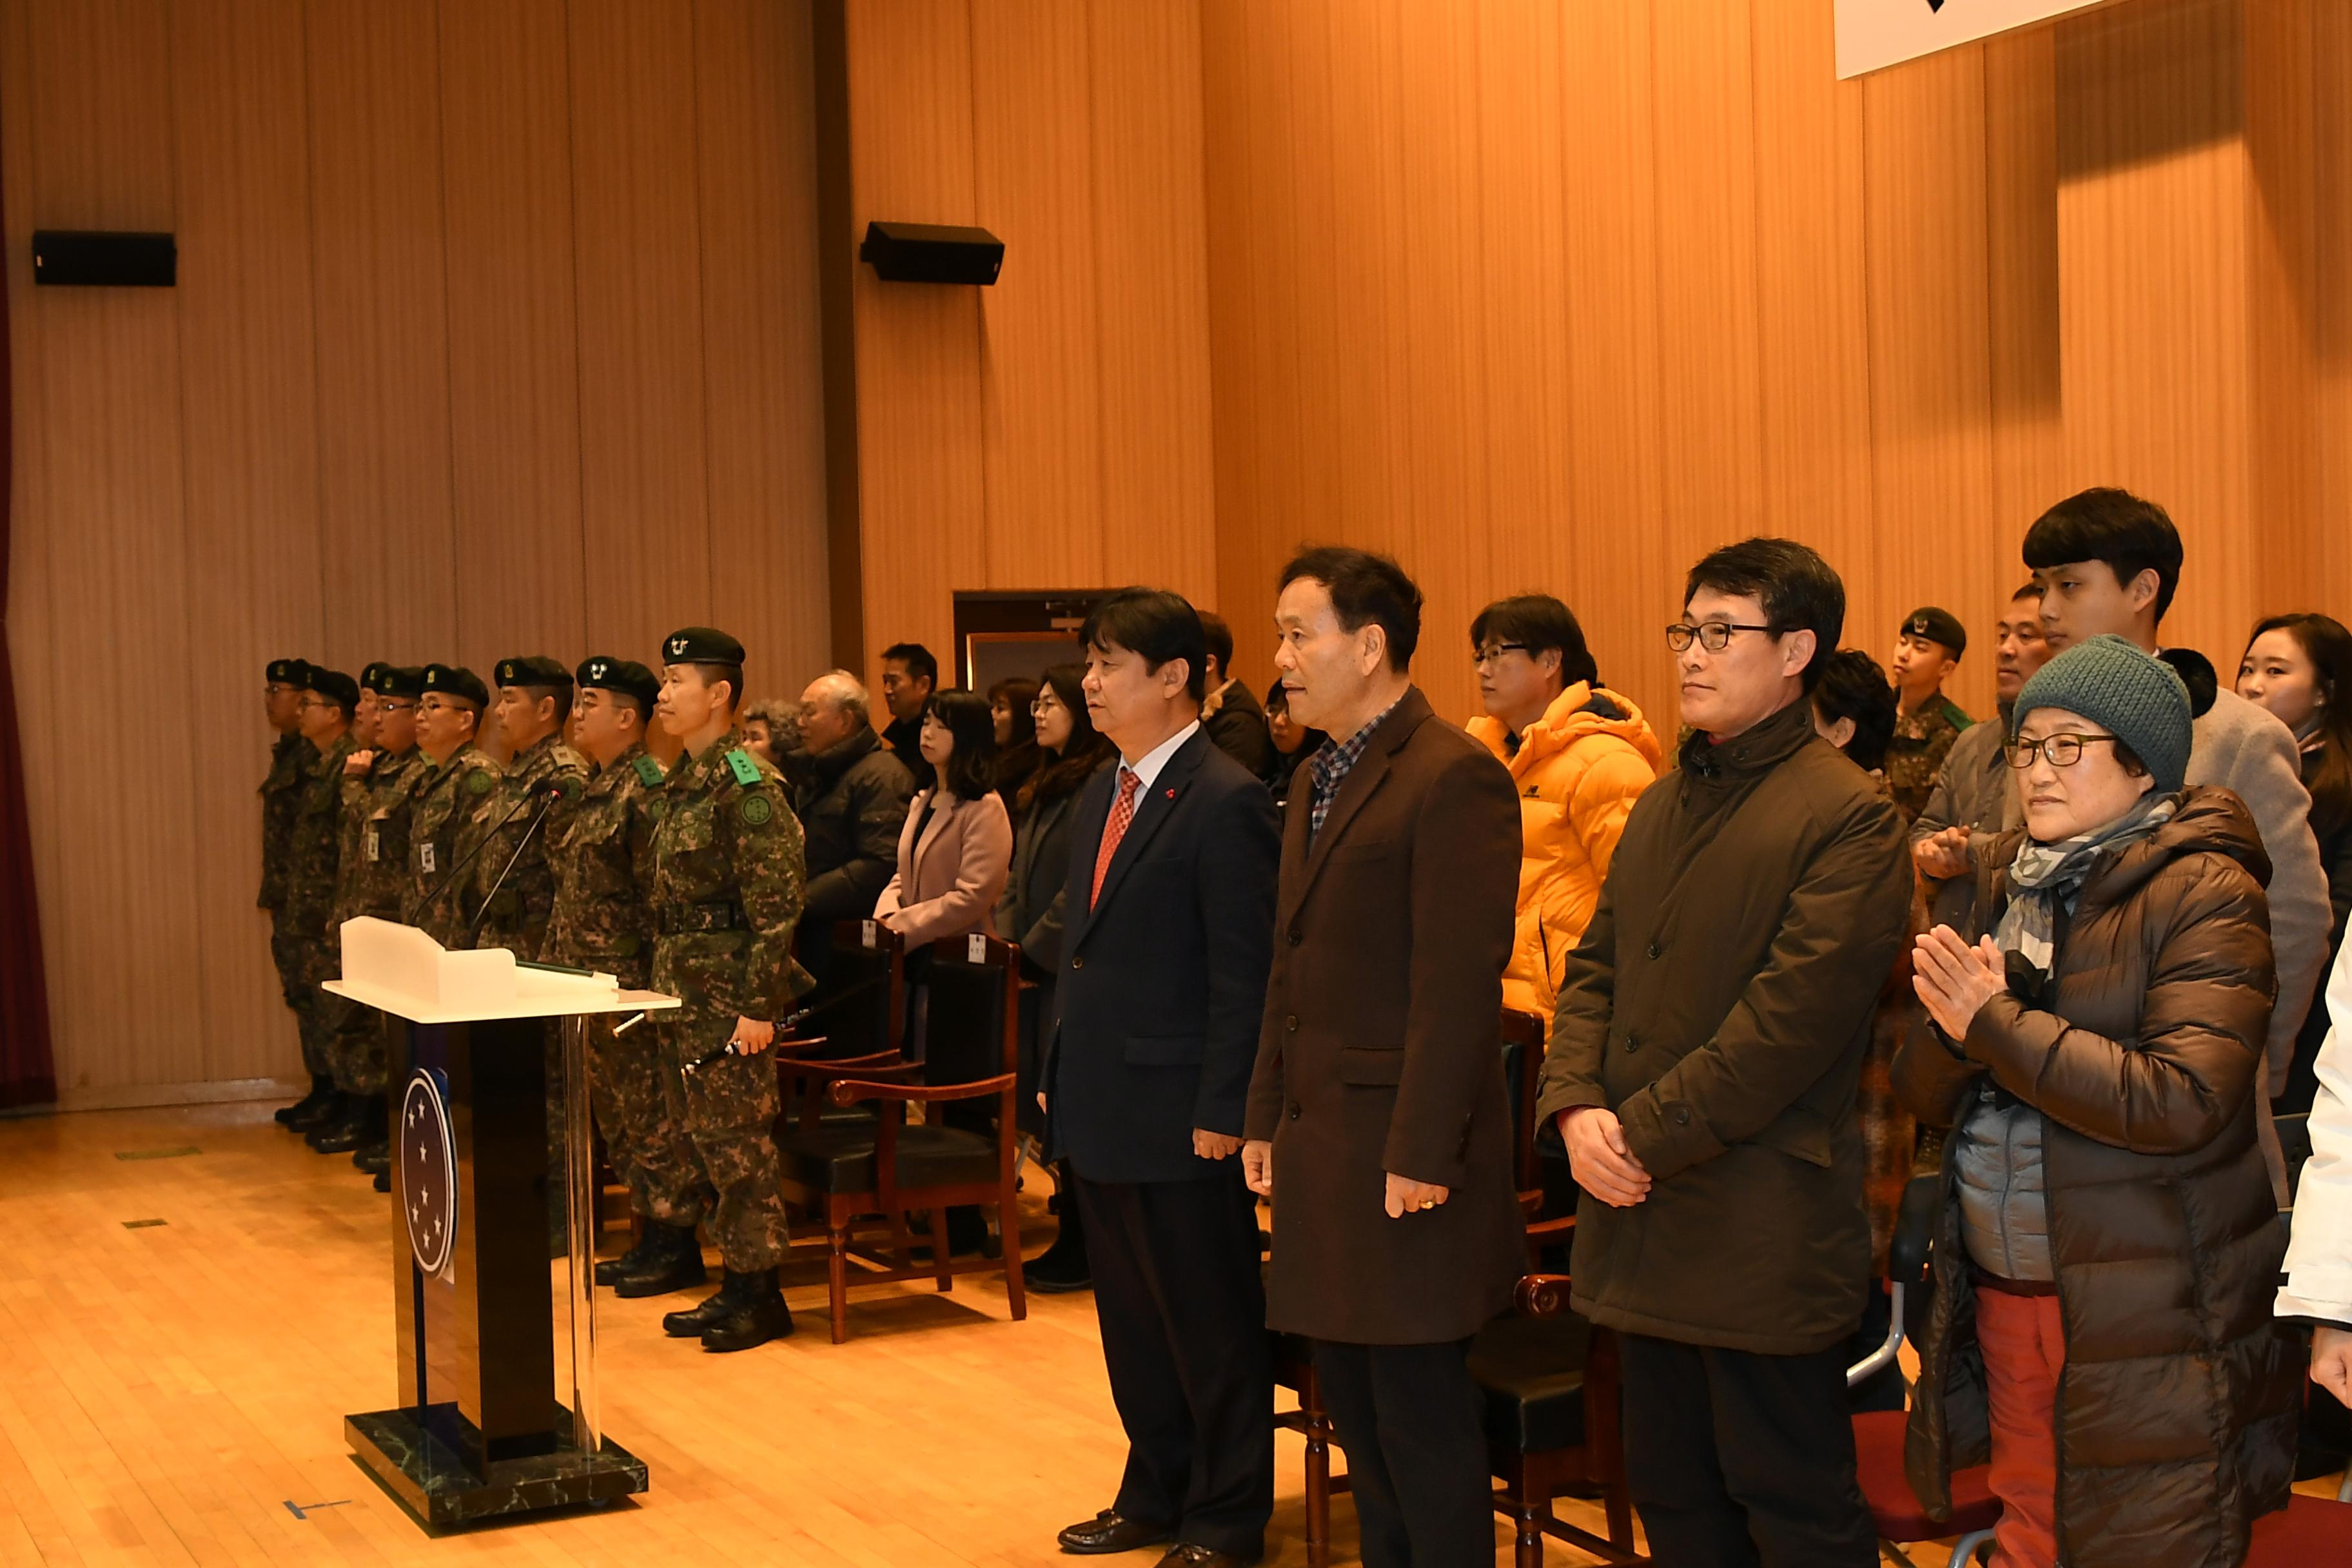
(1578, 770)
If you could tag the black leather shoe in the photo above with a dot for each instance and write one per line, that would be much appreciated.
(374, 1156)
(310, 1108)
(1111, 1530)
(383, 1181)
(692, 1323)
(756, 1321)
(1061, 1267)
(343, 1129)
(673, 1261)
(1188, 1555)
(610, 1271)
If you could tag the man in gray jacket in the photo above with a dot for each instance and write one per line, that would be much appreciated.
(851, 794)
(2109, 561)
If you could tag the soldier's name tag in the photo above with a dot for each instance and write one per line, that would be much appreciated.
(372, 849)
(425, 859)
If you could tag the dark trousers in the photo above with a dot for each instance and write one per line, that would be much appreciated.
(1743, 1460)
(1409, 1417)
(1183, 1331)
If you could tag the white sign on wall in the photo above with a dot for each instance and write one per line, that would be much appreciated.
(1874, 34)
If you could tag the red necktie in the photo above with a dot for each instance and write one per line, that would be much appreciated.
(1122, 812)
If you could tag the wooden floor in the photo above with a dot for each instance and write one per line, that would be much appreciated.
(175, 1393)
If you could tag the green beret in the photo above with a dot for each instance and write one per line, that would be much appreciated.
(625, 676)
(455, 681)
(287, 672)
(701, 644)
(1938, 627)
(536, 670)
(402, 680)
(332, 683)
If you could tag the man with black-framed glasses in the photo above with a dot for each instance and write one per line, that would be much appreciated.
(1709, 1034)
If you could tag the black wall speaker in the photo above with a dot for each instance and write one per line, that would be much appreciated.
(105, 261)
(931, 252)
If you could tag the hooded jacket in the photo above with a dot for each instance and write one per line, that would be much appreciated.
(2176, 1407)
(1578, 770)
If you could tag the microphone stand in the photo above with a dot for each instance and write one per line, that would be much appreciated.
(466, 859)
(521, 845)
(793, 1020)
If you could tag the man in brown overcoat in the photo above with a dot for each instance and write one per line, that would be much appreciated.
(1377, 1105)
(1710, 1032)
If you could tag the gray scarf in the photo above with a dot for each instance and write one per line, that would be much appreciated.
(2047, 878)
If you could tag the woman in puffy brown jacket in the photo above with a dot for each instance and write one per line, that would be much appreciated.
(2099, 1327)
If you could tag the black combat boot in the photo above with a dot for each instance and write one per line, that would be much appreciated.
(383, 1181)
(609, 1271)
(673, 1261)
(305, 1111)
(374, 1150)
(715, 1308)
(755, 1313)
(343, 1131)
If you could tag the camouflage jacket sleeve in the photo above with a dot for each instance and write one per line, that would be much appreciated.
(762, 839)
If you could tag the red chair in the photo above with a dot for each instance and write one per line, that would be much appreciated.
(2309, 1532)
(1894, 1509)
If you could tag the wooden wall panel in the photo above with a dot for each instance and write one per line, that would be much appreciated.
(754, 82)
(514, 373)
(284, 455)
(248, 396)
(642, 442)
(379, 265)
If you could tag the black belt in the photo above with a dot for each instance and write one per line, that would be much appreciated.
(681, 920)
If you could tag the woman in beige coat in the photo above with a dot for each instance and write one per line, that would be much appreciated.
(957, 845)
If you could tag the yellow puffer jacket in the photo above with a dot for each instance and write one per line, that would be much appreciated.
(1579, 769)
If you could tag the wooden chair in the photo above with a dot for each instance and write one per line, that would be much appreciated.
(858, 1023)
(1521, 1040)
(880, 1168)
(1549, 1384)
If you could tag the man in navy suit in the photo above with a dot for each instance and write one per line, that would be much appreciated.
(1169, 937)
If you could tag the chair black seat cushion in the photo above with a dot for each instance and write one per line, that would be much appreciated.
(1530, 1372)
(839, 1157)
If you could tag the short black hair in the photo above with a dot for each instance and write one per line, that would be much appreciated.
(916, 658)
(2124, 533)
(562, 695)
(1364, 586)
(1853, 687)
(1155, 624)
(732, 674)
(2031, 590)
(1540, 622)
(1799, 590)
(971, 771)
(1217, 640)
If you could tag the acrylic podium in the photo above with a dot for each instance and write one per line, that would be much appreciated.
(496, 1406)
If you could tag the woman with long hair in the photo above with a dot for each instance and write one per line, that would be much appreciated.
(957, 845)
(2300, 667)
(1030, 916)
(1010, 708)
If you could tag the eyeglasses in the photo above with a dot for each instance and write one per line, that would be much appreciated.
(394, 705)
(1712, 636)
(1493, 654)
(2064, 750)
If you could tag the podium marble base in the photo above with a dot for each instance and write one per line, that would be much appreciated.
(441, 1487)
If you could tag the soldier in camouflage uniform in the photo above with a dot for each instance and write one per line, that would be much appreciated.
(313, 866)
(728, 874)
(1926, 651)
(456, 777)
(282, 703)
(374, 872)
(603, 922)
(534, 699)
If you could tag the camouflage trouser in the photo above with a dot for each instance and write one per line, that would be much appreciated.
(362, 1050)
(649, 1144)
(728, 1109)
(322, 1017)
(286, 949)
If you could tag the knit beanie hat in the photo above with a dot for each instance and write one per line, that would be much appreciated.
(2117, 687)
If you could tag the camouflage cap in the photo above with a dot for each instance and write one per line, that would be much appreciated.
(332, 683)
(286, 672)
(625, 676)
(454, 681)
(1938, 627)
(537, 669)
(402, 680)
(700, 645)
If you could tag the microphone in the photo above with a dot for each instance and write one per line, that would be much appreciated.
(552, 792)
(795, 1019)
(466, 859)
